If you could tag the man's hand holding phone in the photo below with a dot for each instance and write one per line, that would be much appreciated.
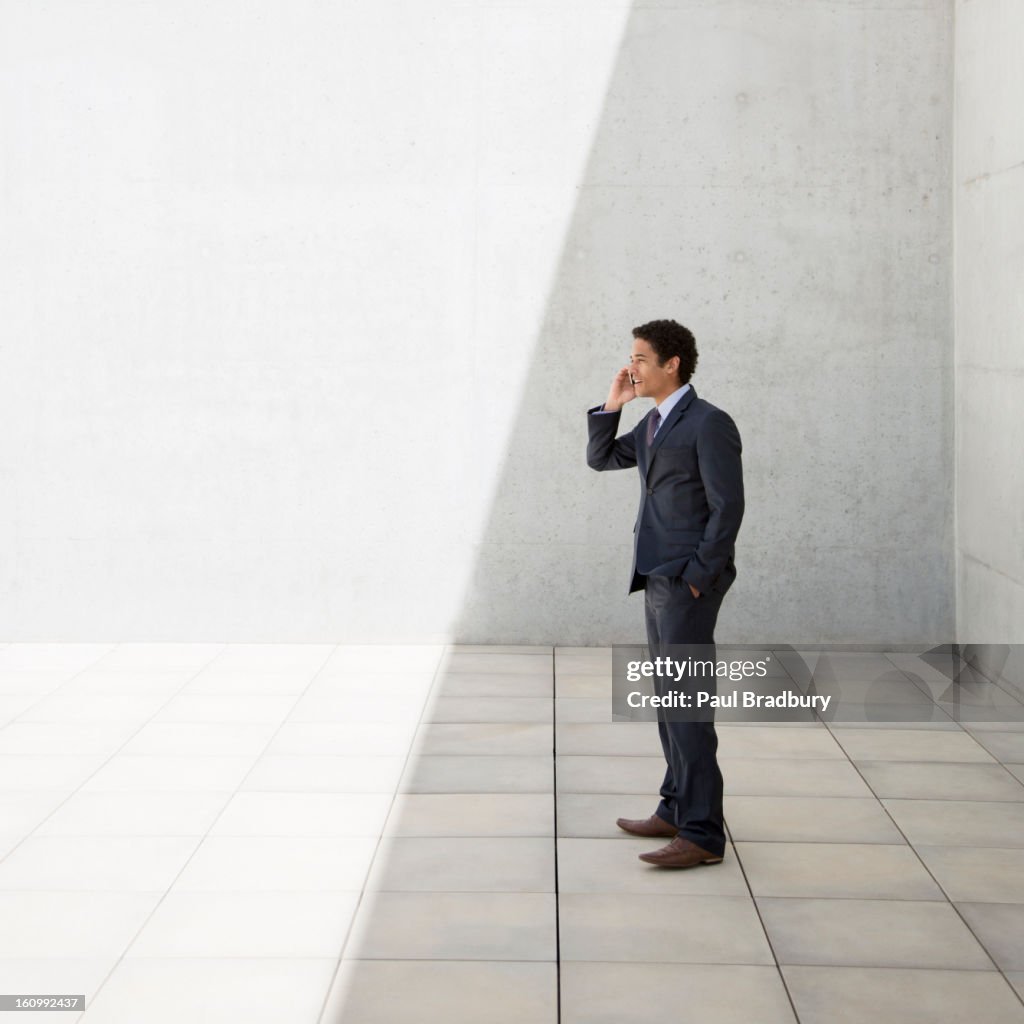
(621, 390)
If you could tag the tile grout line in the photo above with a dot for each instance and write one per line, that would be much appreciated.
(960, 729)
(77, 789)
(764, 930)
(949, 901)
(202, 839)
(554, 839)
(410, 755)
(75, 792)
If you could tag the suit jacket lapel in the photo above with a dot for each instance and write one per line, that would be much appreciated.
(673, 417)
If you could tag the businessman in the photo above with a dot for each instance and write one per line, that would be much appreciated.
(691, 504)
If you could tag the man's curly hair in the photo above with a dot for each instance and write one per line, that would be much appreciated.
(669, 339)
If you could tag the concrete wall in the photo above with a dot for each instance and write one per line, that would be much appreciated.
(989, 208)
(304, 304)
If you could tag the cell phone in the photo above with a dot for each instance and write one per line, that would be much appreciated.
(631, 380)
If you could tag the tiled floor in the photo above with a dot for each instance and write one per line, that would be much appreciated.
(340, 835)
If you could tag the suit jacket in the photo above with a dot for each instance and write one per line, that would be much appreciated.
(691, 490)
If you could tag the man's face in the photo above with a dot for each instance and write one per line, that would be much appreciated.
(650, 379)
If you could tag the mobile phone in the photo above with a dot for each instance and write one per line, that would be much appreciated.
(631, 380)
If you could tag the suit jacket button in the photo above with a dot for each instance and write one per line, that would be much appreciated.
(650, 490)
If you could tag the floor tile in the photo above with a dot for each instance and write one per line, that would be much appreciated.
(1005, 746)
(303, 814)
(444, 992)
(959, 822)
(81, 976)
(588, 687)
(193, 657)
(910, 745)
(513, 738)
(826, 666)
(810, 819)
(934, 780)
(22, 812)
(854, 870)
(966, 692)
(89, 707)
(199, 707)
(585, 709)
(70, 657)
(176, 989)
(842, 716)
(478, 774)
(460, 906)
(578, 774)
(597, 657)
(999, 927)
(472, 814)
(786, 776)
(411, 688)
(129, 683)
(8, 843)
(493, 684)
(464, 864)
(381, 659)
(889, 688)
(240, 683)
(623, 993)
(97, 863)
(56, 925)
(346, 707)
(619, 739)
(898, 996)
(1005, 724)
(977, 873)
(187, 739)
(489, 709)
(326, 773)
(454, 926)
(65, 737)
(612, 866)
(247, 924)
(12, 706)
(870, 933)
(476, 663)
(544, 649)
(274, 657)
(29, 682)
(345, 739)
(641, 927)
(594, 814)
(777, 741)
(159, 773)
(280, 863)
(38, 772)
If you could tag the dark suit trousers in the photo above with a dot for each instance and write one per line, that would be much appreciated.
(691, 795)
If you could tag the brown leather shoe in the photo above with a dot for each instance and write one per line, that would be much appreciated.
(652, 826)
(680, 853)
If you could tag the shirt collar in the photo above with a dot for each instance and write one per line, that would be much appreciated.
(669, 403)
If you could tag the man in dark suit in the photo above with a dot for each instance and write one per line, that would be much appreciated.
(691, 506)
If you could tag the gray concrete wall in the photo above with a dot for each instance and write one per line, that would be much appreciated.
(777, 176)
(990, 321)
(305, 303)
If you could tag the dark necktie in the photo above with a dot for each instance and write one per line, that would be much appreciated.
(652, 426)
